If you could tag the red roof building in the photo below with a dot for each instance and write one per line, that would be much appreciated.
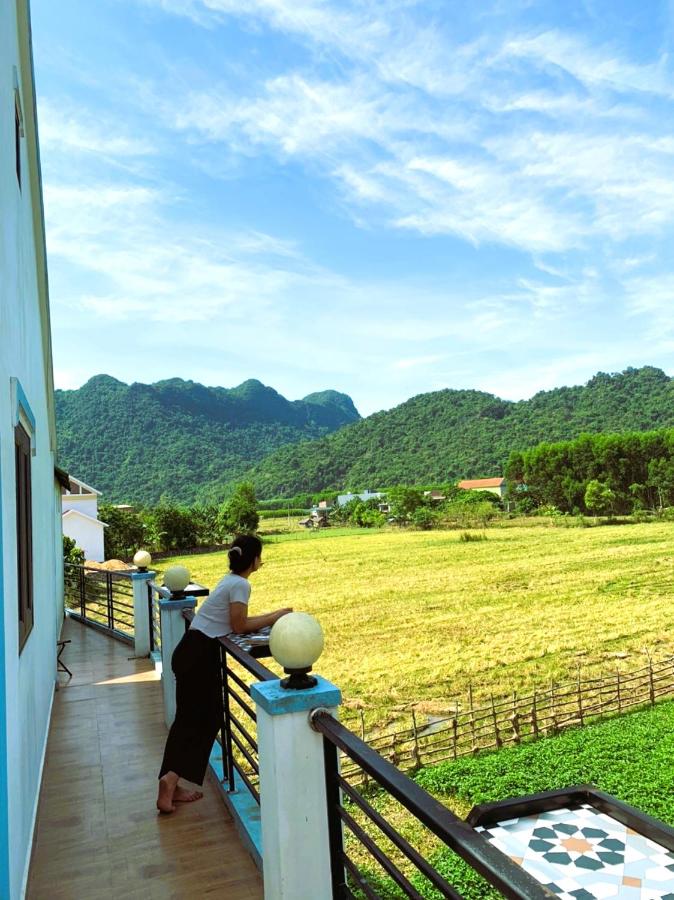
(493, 485)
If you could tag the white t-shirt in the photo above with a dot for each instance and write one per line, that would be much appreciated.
(213, 616)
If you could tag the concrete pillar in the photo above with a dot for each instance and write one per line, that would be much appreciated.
(173, 627)
(295, 840)
(141, 613)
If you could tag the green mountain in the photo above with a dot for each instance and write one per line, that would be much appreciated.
(180, 440)
(451, 434)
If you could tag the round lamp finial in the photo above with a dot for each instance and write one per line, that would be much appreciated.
(142, 560)
(296, 642)
(176, 579)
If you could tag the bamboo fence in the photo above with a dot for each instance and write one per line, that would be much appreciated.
(514, 719)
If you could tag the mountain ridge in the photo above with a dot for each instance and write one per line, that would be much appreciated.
(178, 439)
(450, 434)
(218, 436)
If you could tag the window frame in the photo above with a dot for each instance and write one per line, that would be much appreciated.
(24, 532)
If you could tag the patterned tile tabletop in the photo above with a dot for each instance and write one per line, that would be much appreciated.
(582, 854)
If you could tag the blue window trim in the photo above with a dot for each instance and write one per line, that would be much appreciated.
(4, 773)
(22, 406)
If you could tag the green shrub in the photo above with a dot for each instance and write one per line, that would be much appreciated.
(71, 552)
(468, 536)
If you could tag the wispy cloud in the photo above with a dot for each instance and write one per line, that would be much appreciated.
(444, 137)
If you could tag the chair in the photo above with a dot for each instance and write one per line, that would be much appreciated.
(60, 665)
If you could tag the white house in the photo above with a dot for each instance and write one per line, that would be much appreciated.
(343, 499)
(79, 504)
(31, 559)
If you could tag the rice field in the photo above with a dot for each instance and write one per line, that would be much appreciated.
(416, 617)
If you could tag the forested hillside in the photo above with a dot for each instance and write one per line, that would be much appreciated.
(451, 434)
(180, 440)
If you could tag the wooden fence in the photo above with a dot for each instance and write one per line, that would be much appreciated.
(515, 718)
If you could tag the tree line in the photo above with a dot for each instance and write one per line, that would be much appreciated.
(172, 527)
(597, 473)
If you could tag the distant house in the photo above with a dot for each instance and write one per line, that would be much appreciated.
(493, 485)
(343, 499)
(435, 496)
(79, 505)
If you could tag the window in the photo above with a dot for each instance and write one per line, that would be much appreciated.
(17, 142)
(18, 128)
(24, 532)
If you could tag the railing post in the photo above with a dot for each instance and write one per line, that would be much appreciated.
(293, 802)
(226, 730)
(172, 629)
(80, 580)
(141, 613)
(108, 597)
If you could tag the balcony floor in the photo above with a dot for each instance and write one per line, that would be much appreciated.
(98, 834)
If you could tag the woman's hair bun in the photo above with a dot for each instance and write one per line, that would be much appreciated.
(243, 552)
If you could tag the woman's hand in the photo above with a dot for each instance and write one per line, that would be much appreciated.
(282, 612)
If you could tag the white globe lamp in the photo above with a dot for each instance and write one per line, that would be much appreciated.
(176, 579)
(142, 560)
(296, 642)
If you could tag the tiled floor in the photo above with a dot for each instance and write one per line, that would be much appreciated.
(98, 834)
(584, 854)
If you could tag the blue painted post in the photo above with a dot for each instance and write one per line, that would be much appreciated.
(141, 613)
(172, 629)
(295, 832)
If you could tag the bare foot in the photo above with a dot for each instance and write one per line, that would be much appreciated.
(182, 795)
(167, 791)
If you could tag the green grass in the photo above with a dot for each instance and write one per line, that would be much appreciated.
(417, 616)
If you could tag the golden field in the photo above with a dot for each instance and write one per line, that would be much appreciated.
(418, 616)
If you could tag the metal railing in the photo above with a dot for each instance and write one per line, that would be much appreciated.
(238, 735)
(239, 726)
(100, 598)
(403, 865)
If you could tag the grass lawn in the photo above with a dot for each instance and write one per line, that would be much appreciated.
(417, 616)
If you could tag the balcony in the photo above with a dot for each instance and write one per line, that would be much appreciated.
(98, 833)
(323, 837)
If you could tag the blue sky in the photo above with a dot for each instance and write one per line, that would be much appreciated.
(384, 198)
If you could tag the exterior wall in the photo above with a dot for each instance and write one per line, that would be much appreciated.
(84, 503)
(87, 534)
(27, 678)
(499, 491)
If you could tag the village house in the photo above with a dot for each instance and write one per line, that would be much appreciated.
(343, 499)
(492, 485)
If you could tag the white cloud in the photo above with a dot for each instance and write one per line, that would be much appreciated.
(64, 130)
(590, 65)
(122, 239)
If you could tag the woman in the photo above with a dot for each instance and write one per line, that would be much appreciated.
(196, 665)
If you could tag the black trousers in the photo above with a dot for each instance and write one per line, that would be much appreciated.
(196, 665)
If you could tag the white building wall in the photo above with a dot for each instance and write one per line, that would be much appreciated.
(27, 680)
(85, 503)
(87, 534)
